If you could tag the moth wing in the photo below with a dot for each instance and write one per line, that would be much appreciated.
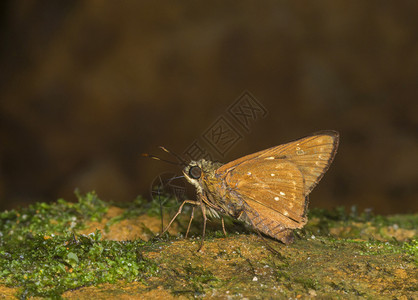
(274, 183)
(312, 155)
(272, 194)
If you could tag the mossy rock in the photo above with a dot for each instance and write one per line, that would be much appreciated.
(93, 249)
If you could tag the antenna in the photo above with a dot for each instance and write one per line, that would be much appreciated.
(181, 160)
(161, 159)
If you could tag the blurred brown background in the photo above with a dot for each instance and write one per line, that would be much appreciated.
(86, 86)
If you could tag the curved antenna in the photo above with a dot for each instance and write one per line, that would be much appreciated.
(183, 162)
(161, 159)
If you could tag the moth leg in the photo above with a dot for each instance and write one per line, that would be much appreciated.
(190, 222)
(204, 224)
(223, 226)
(179, 211)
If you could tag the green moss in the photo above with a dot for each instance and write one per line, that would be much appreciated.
(52, 218)
(351, 225)
(308, 283)
(49, 265)
(140, 206)
(42, 254)
(408, 248)
(339, 215)
(198, 279)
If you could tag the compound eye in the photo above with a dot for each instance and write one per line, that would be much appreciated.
(195, 172)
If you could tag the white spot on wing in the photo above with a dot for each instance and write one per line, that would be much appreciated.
(299, 151)
(248, 173)
(272, 174)
(276, 198)
(286, 213)
(281, 193)
(269, 158)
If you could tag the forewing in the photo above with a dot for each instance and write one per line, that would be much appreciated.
(272, 189)
(312, 155)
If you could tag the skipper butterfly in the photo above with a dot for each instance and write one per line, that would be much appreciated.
(268, 189)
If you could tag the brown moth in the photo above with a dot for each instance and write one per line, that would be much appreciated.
(268, 189)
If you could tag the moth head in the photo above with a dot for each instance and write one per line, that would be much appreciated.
(193, 173)
(197, 169)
